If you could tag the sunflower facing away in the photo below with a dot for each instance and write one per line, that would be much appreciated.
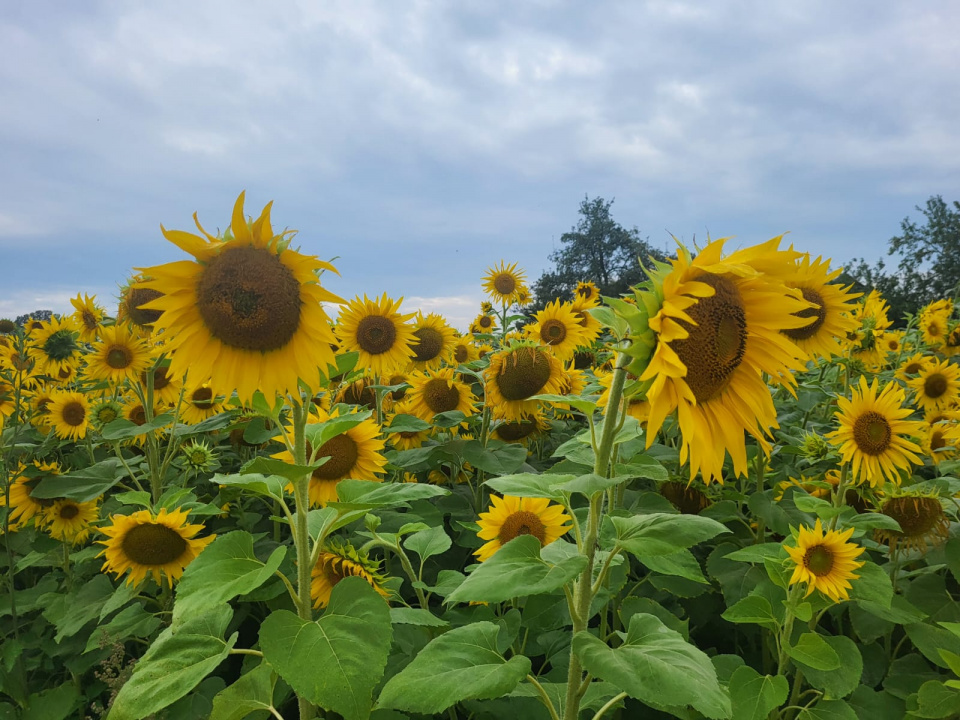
(337, 562)
(247, 311)
(503, 282)
(937, 386)
(509, 517)
(518, 373)
(69, 414)
(432, 343)
(921, 518)
(830, 317)
(438, 392)
(873, 434)
(825, 561)
(69, 521)
(558, 328)
(88, 316)
(144, 543)
(119, 355)
(718, 324)
(378, 332)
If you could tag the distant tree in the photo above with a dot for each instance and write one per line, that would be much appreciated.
(35, 315)
(598, 249)
(929, 266)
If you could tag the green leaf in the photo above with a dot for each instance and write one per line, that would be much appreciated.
(267, 485)
(427, 543)
(123, 429)
(271, 466)
(53, 704)
(828, 710)
(680, 564)
(591, 483)
(530, 485)
(757, 553)
(930, 640)
(70, 612)
(462, 664)
(812, 650)
(754, 609)
(449, 419)
(174, 664)
(587, 407)
(415, 616)
(874, 521)
(226, 568)
(132, 621)
(516, 570)
(873, 585)
(82, 485)
(643, 466)
(368, 495)
(867, 703)
(252, 692)
(320, 433)
(336, 661)
(754, 695)
(496, 458)
(663, 533)
(406, 423)
(844, 680)
(609, 319)
(936, 700)
(657, 666)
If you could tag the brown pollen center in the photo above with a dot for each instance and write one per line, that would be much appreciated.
(439, 396)
(153, 544)
(74, 413)
(376, 334)
(343, 453)
(519, 523)
(523, 373)
(872, 432)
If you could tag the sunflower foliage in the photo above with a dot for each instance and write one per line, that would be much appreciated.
(727, 493)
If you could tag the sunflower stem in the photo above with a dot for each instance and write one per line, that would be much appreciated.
(301, 535)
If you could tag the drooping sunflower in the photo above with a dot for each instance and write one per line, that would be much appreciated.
(432, 343)
(338, 561)
(248, 311)
(940, 441)
(359, 393)
(378, 332)
(587, 294)
(7, 326)
(921, 517)
(509, 517)
(55, 346)
(19, 363)
(69, 414)
(718, 326)
(516, 374)
(937, 386)
(502, 282)
(483, 324)
(69, 521)
(912, 366)
(144, 543)
(464, 351)
(558, 328)
(355, 454)
(23, 506)
(119, 355)
(521, 431)
(830, 316)
(933, 322)
(199, 403)
(688, 498)
(825, 561)
(88, 316)
(873, 434)
(437, 392)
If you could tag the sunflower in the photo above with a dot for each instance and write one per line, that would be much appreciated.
(8, 398)
(359, 393)
(921, 518)
(587, 294)
(688, 498)
(377, 331)
(356, 454)
(69, 521)
(248, 311)
(199, 456)
(937, 386)
(717, 325)
(105, 413)
(486, 307)
(156, 544)
(912, 366)
(933, 322)
(951, 345)
(88, 316)
(516, 374)
(873, 433)
(199, 403)
(23, 506)
(69, 414)
(483, 324)
(55, 346)
(825, 561)
(940, 441)
(590, 326)
(410, 439)
(166, 385)
(872, 322)
(14, 360)
(7, 326)
(484, 349)
(572, 382)
(832, 304)
(444, 475)
(397, 379)
(66, 375)
(521, 431)
(509, 516)
(40, 413)
(433, 342)
(558, 328)
(891, 342)
(133, 298)
(437, 392)
(338, 561)
(817, 487)
(502, 282)
(119, 355)
(464, 351)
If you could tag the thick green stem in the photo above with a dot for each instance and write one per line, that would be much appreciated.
(301, 535)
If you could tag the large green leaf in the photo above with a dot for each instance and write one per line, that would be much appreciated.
(497, 458)
(174, 664)
(318, 434)
(516, 570)
(368, 495)
(657, 666)
(132, 621)
(268, 485)
(663, 533)
(253, 691)
(828, 710)
(935, 700)
(273, 467)
(843, 680)
(225, 569)
(336, 661)
(530, 485)
(812, 650)
(930, 639)
(429, 542)
(462, 664)
(752, 609)
(71, 611)
(123, 429)
(755, 695)
(82, 485)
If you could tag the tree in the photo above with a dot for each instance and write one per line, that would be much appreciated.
(929, 267)
(597, 249)
(42, 315)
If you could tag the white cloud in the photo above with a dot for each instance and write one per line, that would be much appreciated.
(55, 299)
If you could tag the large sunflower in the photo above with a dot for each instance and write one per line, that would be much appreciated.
(88, 316)
(69, 414)
(432, 343)
(355, 454)
(144, 543)
(718, 326)
(69, 521)
(437, 392)
(830, 317)
(825, 561)
(503, 282)
(937, 386)
(336, 562)
(509, 517)
(248, 311)
(378, 332)
(516, 374)
(119, 355)
(558, 327)
(55, 346)
(873, 434)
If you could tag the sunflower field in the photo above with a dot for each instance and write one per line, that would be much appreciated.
(729, 494)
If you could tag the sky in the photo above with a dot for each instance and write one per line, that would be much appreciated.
(421, 142)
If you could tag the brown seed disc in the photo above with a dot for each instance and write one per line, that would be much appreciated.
(74, 414)
(138, 416)
(917, 515)
(513, 431)
(342, 451)
(524, 373)
(935, 385)
(428, 345)
(522, 523)
(440, 397)
(119, 357)
(202, 398)
(819, 560)
(141, 296)
(505, 284)
(688, 500)
(553, 332)
(376, 334)
(461, 353)
(819, 315)
(872, 433)
(153, 544)
(68, 512)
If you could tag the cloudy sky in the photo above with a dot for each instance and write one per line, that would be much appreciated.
(423, 141)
